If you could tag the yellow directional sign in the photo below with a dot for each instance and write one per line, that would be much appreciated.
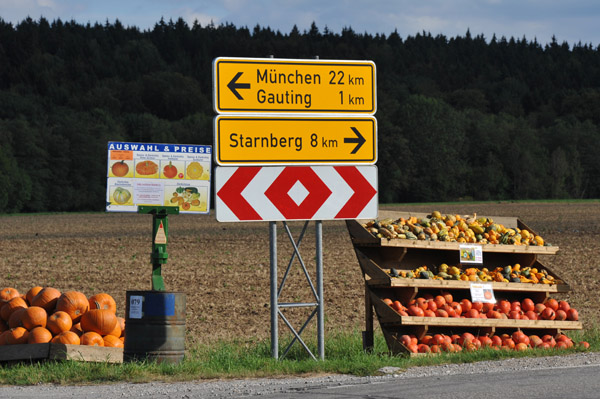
(264, 85)
(285, 140)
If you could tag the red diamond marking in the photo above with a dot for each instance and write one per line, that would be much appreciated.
(318, 192)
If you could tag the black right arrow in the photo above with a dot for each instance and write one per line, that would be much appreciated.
(360, 140)
(234, 85)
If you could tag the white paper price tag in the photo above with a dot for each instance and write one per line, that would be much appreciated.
(471, 254)
(135, 306)
(482, 293)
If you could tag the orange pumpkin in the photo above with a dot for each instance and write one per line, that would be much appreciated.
(58, 322)
(67, 338)
(116, 331)
(33, 317)
(17, 336)
(113, 342)
(8, 293)
(39, 335)
(92, 338)
(3, 337)
(101, 321)
(15, 318)
(103, 301)
(121, 321)
(32, 293)
(77, 329)
(74, 303)
(46, 298)
(10, 306)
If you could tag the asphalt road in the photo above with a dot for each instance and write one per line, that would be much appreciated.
(554, 377)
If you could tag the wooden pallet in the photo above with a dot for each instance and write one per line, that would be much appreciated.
(50, 351)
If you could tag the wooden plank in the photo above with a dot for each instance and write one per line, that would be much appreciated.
(85, 353)
(465, 285)
(52, 351)
(497, 323)
(371, 269)
(24, 352)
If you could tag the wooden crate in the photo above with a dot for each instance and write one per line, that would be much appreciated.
(50, 351)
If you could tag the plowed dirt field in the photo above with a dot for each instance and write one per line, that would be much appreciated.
(224, 267)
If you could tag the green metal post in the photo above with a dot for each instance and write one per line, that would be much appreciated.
(160, 232)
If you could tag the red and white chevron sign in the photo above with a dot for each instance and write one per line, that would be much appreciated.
(273, 193)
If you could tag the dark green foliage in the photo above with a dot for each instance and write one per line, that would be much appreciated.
(459, 118)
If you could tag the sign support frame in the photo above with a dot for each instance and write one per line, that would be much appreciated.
(276, 306)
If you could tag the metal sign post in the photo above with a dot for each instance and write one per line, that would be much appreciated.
(160, 232)
(276, 306)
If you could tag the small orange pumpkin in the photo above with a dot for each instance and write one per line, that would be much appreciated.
(58, 322)
(67, 338)
(8, 293)
(113, 342)
(17, 336)
(46, 298)
(32, 293)
(39, 335)
(33, 317)
(103, 301)
(10, 306)
(92, 338)
(102, 321)
(74, 303)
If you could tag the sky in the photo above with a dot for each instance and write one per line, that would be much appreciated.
(572, 21)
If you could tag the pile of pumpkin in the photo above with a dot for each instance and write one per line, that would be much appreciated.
(444, 305)
(452, 228)
(507, 274)
(44, 314)
(518, 340)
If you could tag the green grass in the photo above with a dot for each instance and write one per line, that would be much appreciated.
(343, 355)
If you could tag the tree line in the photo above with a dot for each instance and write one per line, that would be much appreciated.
(459, 118)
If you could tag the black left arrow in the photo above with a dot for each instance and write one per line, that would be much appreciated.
(359, 140)
(234, 86)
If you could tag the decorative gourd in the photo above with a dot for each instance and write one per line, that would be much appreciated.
(10, 306)
(74, 303)
(39, 335)
(102, 321)
(146, 168)
(58, 322)
(112, 342)
(46, 298)
(103, 301)
(8, 293)
(32, 293)
(17, 336)
(67, 338)
(92, 338)
(33, 317)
